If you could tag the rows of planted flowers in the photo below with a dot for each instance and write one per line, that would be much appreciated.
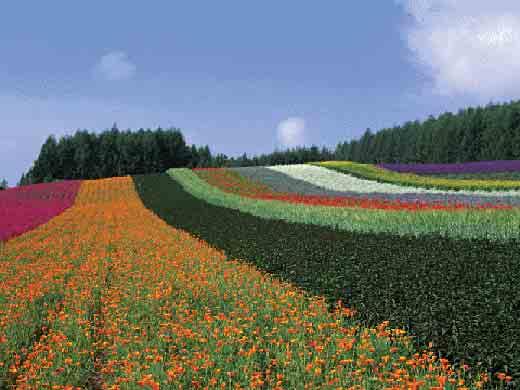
(376, 173)
(460, 294)
(313, 180)
(24, 208)
(344, 181)
(253, 182)
(126, 301)
(489, 224)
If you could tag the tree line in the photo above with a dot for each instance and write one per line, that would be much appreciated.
(473, 134)
(88, 155)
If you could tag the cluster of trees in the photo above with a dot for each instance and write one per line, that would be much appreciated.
(298, 155)
(473, 134)
(3, 185)
(87, 155)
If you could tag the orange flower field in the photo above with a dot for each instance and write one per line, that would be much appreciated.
(108, 296)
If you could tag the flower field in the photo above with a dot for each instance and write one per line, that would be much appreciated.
(318, 181)
(494, 225)
(460, 294)
(233, 182)
(372, 172)
(24, 208)
(264, 277)
(107, 295)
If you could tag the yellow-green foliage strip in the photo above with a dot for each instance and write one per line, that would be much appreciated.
(496, 225)
(372, 172)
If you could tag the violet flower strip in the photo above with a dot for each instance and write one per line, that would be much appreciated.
(25, 208)
(468, 167)
(280, 182)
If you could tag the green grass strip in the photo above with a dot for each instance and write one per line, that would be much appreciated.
(372, 172)
(495, 225)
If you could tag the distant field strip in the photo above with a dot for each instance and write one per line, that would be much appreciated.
(372, 172)
(495, 225)
(319, 181)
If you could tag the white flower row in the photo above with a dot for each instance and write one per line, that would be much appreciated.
(337, 181)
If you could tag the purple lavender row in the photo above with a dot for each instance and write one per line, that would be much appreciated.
(468, 167)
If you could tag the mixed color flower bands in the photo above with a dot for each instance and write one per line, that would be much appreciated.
(438, 287)
(372, 172)
(240, 181)
(489, 224)
(130, 302)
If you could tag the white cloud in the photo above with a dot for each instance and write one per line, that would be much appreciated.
(115, 66)
(467, 47)
(291, 132)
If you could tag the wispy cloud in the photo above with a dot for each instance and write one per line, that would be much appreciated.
(466, 47)
(115, 66)
(291, 132)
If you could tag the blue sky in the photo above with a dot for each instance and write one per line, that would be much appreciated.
(246, 76)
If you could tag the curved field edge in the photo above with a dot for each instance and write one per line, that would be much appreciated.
(23, 209)
(147, 305)
(496, 225)
(372, 172)
(456, 293)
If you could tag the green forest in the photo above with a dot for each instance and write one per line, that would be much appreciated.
(473, 134)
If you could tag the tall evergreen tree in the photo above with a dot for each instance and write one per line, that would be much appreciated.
(45, 167)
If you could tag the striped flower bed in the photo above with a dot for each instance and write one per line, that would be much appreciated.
(374, 173)
(496, 225)
(430, 284)
(24, 208)
(131, 302)
(233, 182)
(278, 181)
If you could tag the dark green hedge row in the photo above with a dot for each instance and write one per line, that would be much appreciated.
(464, 295)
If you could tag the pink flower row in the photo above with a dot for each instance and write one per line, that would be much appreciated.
(25, 208)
